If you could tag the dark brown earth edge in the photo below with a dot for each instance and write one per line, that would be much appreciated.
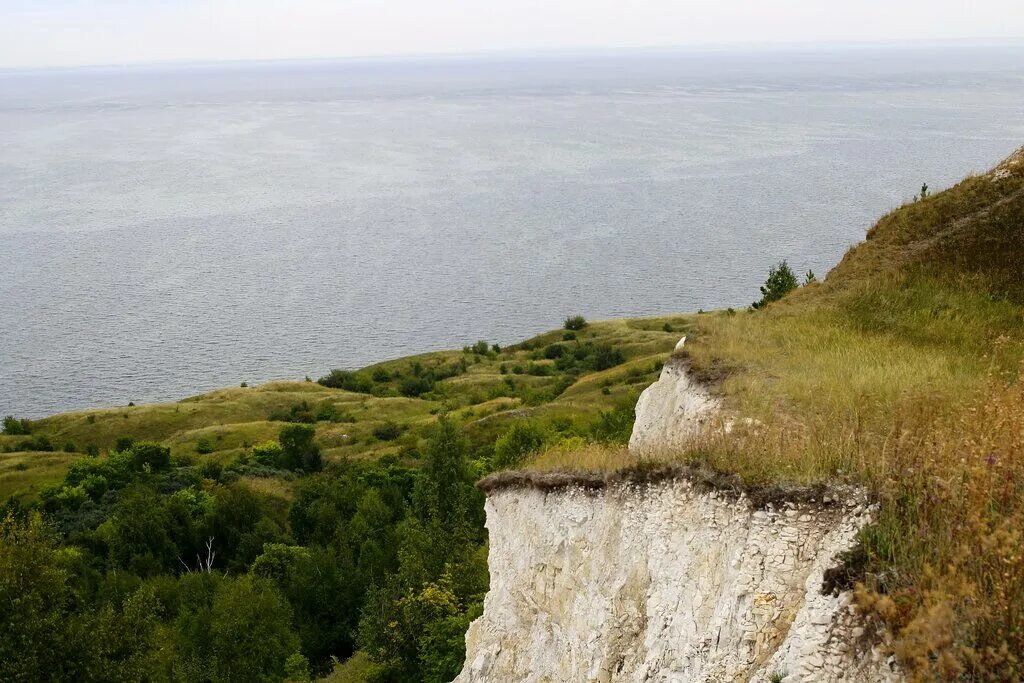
(703, 478)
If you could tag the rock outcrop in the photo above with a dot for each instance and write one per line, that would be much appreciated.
(664, 582)
(673, 409)
(674, 577)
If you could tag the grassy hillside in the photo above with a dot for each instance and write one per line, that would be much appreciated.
(485, 390)
(901, 371)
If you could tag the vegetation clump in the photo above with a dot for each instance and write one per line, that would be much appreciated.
(781, 281)
(12, 426)
(575, 322)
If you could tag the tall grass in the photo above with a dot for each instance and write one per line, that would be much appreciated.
(901, 372)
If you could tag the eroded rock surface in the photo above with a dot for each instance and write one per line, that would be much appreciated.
(673, 409)
(663, 582)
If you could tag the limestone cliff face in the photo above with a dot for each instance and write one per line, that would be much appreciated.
(665, 580)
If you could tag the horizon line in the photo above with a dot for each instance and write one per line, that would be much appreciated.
(755, 46)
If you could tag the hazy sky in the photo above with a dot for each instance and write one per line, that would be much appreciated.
(74, 32)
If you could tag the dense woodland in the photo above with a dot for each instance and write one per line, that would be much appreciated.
(205, 560)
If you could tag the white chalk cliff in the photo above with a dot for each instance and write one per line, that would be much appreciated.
(665, 578)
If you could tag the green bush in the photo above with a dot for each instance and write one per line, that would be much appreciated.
(607, 357)
(416, 386)
(575, 322)
(347, 380)
(149, 454)
(300, 452)
(538, 370)
(521, 439)
(387, 431)
(554, 351)
(203, 446)
(15, 427)
(781, 281)
(36, 443)
(614, 426)
(298, 412)
(268, 454)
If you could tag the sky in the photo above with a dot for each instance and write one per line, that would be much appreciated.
(37, 33)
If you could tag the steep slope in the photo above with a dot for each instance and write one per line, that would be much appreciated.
(665, 580)
(897, 376)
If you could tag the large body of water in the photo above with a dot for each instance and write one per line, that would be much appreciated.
(165, 231)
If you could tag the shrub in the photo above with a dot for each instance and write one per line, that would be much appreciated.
(667, 327)
(203, 446)
(781, 281)
(416, 386)
(347, 380)
(554, 351)
(148, 453)
(268, 454)
(380, 375)
(36, 443)
(387, 431)
(326, 412)
(298, 412)
(16, 427)
(481, 348)
(300, 452)
(614, 426)
(569, 336)
(606, 357)
(123, 443)
(521, 439)
(575, 322)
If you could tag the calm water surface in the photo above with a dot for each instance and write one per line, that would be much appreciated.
(165, 231)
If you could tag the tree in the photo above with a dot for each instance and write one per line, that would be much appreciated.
(300, 451)
(395, 620)
(318, 584)
(138, 534)
(443, 489)
(781, 281)
(48, 632)
(232, 629)
(149, 454)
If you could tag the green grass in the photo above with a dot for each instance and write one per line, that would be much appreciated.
(233, 419)
(24, 474)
